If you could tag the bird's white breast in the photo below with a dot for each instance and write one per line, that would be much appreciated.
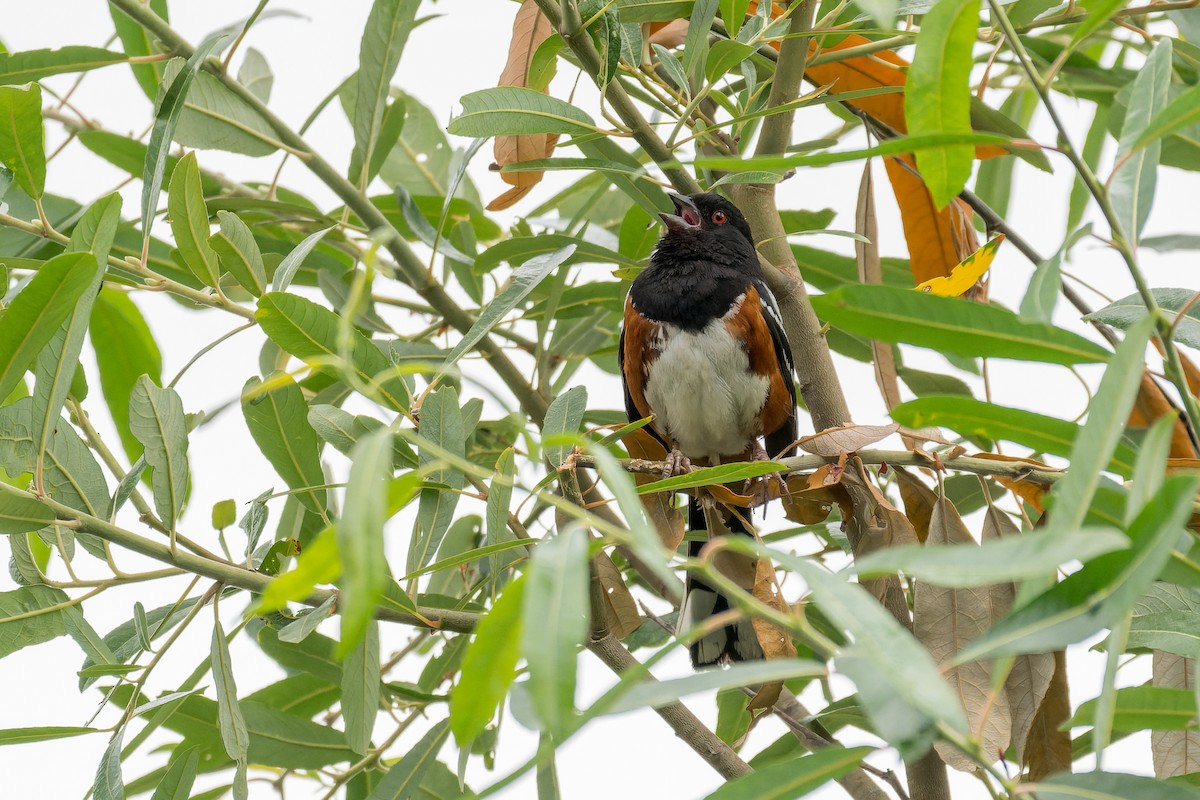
(702, 391)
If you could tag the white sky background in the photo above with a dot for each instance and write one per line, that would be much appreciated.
(463, 50)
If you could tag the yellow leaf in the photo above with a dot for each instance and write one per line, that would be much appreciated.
(966, 274)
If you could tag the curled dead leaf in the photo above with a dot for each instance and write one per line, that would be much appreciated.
(530, 29)
(918, 500)
(660, 506)
(620, 610)
(845, 439)
(775, 642)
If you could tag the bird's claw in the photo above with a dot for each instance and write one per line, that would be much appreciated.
(760, 489)
(676, 463)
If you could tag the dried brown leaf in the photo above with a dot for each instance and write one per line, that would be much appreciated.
(1029, 677)
(1047, 748)
(1175, 752)
(1152, 404)
(660, 506)
(620, 609)
(530, 29)
(845, 439)
(945, 620)
(669, 35)
(872, 523)
(918, 499)
(774, 641)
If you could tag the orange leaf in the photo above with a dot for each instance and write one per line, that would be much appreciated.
(530, 29)
(1151, 404)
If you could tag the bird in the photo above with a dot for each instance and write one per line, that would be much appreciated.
(704, 353)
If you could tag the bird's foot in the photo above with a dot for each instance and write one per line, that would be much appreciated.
(676, 463)
(760, 489)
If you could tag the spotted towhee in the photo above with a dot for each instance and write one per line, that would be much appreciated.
(703, 350)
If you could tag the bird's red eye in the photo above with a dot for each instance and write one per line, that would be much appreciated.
(719, 218)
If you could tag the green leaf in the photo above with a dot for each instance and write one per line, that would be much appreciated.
(951, 325)
(1042, 295)
(638, 693)
(30, 630)
(166, 119)
(1032, 555)
(125, 350)
(292, 262)
(307, 622)
(971, 417)
(563, 418)
(34, 316)
(1125, 312)
(58, 363)
(234, 735)
(523, 280)
(489, 666)
(360, 539)
(1098, 13)
(1102, 591)
(157, 420)
(189, 221)
(1107, 416)
(441, 427)
(216, 118)
(388, 27)
(310, 332)
(22, 147)
(886, 662)
(255, 74)
(555, 623)
(318, 563)
(277, 417)
(499, 500)
(19, 514)
(1109, 786)
(1170, 631)
(513, 111)
(33, 65)
(1131, 188)
(108, 784)
(239, 253)
(724, 55)
(137, 41)
(361, 687)
(793, 778)
(1179, 114)
(42, 734)
(710, 476)
(403, 781)
(176, 783)
(224, 514)
(1144, 708)
(733, 12)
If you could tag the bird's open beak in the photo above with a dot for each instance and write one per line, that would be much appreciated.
(686, 218)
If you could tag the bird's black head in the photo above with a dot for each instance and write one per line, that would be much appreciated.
(707, 223)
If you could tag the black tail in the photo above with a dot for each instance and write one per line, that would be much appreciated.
(736, 642)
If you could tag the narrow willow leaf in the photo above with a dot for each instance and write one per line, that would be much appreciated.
(125, 351)
(403, 781)
(58, 363)
(937, 94)
(166, 118)
(234, 735)
(793, 778)
(42, 734)
(1100, 593)
(277, 417)
(523, 281)
(286, 271)
(1150, 469)
(214, 117)
(499, 500)
(442, 427)
(137, 41)
(109, 785)
(709, 476)
(1107, 415)
(255, 74)
(360, 688)
(33, 65)
(360, 538)
(489, 666)
(19, 628)
(636, 692)
(22, 147)
(1009, 559)
(20, 514)
(189, 221)
(1042, 295)
(239, 253)
(1109, 786)
(563, 418)
(951, 325)
(176, 783)
(388, 27)
(555, 624)
(723, 56)
(36, 313)
(1179, 114)
(1125, 312)
(513, 111)
(307, 622)
(1132, 186)
(318, 563)
(157, 420)
(310, 332)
